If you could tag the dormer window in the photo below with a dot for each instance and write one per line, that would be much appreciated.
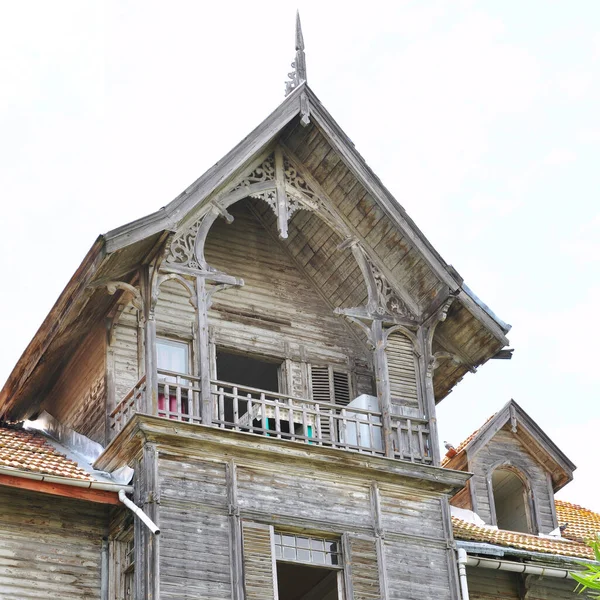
(511, 500)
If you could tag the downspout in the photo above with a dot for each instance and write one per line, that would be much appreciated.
(144, 518)
(462, 573)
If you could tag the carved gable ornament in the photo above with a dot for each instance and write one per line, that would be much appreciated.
(275, 180)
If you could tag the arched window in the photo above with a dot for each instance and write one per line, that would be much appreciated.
(511, 500)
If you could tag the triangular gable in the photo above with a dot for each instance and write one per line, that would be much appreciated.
(533, 438)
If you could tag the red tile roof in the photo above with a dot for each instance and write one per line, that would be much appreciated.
(583, 525)
(446, 459)
(30, 451)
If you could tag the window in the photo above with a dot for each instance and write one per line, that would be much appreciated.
(280, 565)
(308, 567)
(330, 385)
(510, 500)
(174, 357)
(122, 564)
(250, 371)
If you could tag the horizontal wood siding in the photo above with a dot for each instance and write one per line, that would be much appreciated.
(125, 352)
(417, 570)
(278, 310)
(49, 547)
(78, 398)
(175, 316)
(505, 446)
(309, 499)
(488, 584)
(194, 541)
(411, 514)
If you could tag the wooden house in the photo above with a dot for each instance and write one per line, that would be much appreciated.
(264, 355)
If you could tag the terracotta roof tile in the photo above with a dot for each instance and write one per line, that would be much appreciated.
(29, 451)
(446, 459)
(583, 525)
(522, 541)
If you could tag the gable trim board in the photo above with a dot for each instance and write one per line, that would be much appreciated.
(526, 428)
(117, 250)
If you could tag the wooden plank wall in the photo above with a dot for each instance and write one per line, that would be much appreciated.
(124, 350)
(489, 584)
(505, 446)
(78, 398)
(49, 547)
(278, 310)
(197, 553)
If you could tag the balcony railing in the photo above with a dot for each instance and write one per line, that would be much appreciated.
(281, 416)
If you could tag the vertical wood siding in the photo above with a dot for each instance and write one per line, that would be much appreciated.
(49, 547)
(78, 398)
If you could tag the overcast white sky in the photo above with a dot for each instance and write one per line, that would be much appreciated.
(481, 118)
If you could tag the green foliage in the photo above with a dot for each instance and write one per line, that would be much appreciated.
(590, 578)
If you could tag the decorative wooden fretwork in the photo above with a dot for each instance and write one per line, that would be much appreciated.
(388, 300)
(298, 74)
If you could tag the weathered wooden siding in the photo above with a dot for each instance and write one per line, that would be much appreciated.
(201, 502)
(194, 541)
(49, 547)
(489, 584)
(124, 350)
(175, 315)
(78, 398)
(278, 311)
(505, 448)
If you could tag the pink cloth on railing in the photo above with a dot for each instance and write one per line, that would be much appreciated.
(162, 410)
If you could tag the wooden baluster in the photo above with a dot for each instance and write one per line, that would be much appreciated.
(178, 400)
(371, 434)
(421, 444)
(250, 410)
(167, 400)
(319, 433)
(263, 408)
(305, 424)
(277, 421)
(291, 419)
(221, 407)
(359, 439)
(236, 409)
(410, 440)
(332, 424)
(343, 433)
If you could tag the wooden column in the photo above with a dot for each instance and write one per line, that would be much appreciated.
(149, 329)
(383, 385)
(204, 350)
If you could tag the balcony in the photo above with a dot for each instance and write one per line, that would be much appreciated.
(260, 412)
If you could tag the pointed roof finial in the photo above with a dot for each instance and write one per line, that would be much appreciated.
(298, 75)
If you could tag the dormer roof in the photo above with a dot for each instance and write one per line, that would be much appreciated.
(529, 433)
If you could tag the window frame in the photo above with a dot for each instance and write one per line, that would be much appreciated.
(528, 496)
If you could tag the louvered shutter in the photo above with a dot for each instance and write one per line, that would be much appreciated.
(260, 572)
(362, 568)
(402, 373)
(329, 386)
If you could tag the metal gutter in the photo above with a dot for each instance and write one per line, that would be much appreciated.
(80, 483)
(515, 567)
(501, 551)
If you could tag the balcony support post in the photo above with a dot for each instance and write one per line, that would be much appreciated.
(426, 373)
(147, 279)
(203, 301)
(383, 385)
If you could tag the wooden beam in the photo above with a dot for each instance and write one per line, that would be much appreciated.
(57, 489)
